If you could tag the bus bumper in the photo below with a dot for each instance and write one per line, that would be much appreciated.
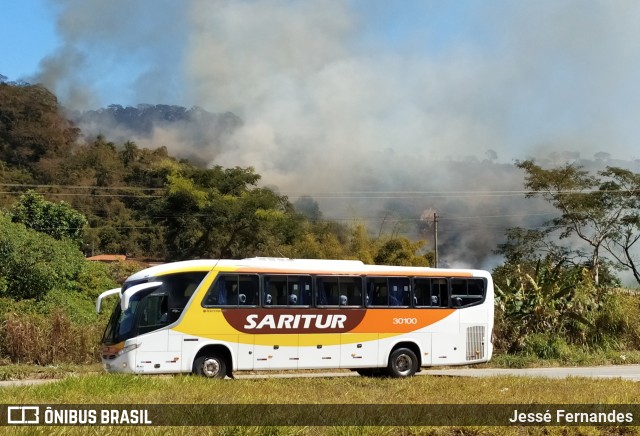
(119, 358)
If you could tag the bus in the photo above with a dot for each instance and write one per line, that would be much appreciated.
(214, 317)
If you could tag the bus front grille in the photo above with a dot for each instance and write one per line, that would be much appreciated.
(475, 342)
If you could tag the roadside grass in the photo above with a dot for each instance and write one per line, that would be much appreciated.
(24, 371)
(132, 390)
(576, 357)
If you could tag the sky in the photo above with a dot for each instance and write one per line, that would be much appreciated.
(353, 95)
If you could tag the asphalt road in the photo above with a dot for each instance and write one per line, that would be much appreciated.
(626, 372)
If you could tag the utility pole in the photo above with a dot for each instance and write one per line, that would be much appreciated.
(435, 238)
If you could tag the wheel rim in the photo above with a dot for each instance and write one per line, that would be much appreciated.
(211, 367)
(404, 364)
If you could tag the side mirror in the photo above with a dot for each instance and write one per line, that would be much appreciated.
(103, 295)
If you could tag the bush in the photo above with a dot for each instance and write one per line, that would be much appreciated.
(48, 339)
(32, 264)
(617, 325)
(545, 346)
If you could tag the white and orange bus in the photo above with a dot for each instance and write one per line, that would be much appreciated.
(213, 317)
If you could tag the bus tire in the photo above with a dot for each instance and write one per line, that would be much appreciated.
(402, 363)
(210, 366)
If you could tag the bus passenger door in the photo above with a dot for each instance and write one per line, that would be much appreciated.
(154, 354)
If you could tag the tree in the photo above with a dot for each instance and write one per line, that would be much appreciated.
(622, 187)
(220, 213)
(58, 220)
(129, 153)
(601, 210)
(31, 125)
(400, 251)
(583, 211)
(33, 264)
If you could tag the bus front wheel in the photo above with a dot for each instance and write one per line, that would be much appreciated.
(210, 366)
(402, 363)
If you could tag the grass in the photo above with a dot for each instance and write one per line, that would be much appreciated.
(577, 357)
(24, 371)
(131, 389)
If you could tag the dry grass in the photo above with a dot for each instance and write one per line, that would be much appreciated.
(48, 339)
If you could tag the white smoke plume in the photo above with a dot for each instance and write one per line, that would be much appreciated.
(370, 95)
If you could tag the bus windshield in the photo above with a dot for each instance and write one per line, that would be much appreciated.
(122, 324)
(152, 308)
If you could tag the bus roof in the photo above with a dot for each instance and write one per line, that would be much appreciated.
(309, 266)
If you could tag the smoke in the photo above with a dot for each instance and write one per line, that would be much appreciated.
(132, 49)
(372, 97)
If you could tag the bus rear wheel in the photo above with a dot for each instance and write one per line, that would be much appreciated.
(210, 366)
(402, 363)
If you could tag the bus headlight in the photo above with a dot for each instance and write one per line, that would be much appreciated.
(127, 349)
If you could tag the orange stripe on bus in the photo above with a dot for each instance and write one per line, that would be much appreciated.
(400, 320)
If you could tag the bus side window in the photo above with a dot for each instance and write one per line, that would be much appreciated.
(322, 298)
(351, 290)
(154, 312)
(249, 289)
(377, 291)
(430, 292)
(233, 290)
(298, 290)
(439, 293)
(467, 292)
(328, 291)
(304, 285)
(286, 290)
(399, 291)
(275, 290)
(421, 293)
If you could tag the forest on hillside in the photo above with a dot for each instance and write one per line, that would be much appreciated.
(66, 195)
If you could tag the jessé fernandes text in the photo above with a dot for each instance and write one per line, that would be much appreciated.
(562, 416)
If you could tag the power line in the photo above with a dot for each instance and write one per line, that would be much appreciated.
(80, 194)
(342, 194)
(124, 188)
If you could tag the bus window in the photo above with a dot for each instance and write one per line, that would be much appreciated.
(377, 291)
(180, 287)
(351, 291)
(339, 291)
(287, 290)
(467, 292)
(154, 313)
(430, 292)
(388, 291)
(399, 291)
(233, 290)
